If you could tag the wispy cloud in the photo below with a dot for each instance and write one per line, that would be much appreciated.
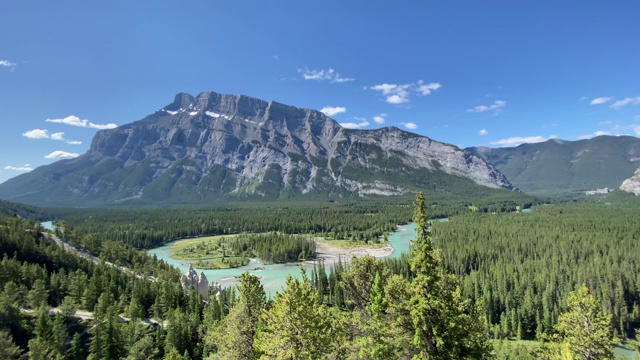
(600, 100)
(324, 75)
(592, 135)
(497, 107)
(399, 94)
(410, 125)
(630, 100)
(8, 64)
(25, 167)
(380, 119)
(76, 121)
(333, 110)
(483, 132)
(275, 57)
(37, 134)
(353, 125)
(426, 89)
(44, 134)
(517, 140)
(59, 154)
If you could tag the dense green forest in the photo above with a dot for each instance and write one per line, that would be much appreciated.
(482, 276)
(364, 220)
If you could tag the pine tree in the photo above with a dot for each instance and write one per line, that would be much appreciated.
(8, 348)
(445, 325)
(297, 326)
(585, 329)
(234, 337)
(376, 345)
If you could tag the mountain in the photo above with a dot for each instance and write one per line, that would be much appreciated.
(632, 184)
(566, 167)
(217, 146)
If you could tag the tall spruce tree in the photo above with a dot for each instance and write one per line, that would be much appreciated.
(445, 325)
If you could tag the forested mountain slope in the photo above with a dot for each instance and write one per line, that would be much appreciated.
(566, 167)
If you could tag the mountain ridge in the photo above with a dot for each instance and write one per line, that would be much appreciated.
(566, 167)
(203, 148)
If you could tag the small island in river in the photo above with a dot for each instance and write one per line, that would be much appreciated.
(232, 251)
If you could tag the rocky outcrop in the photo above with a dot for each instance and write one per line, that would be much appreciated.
(198, 149)
(200, 284)
(632, 184)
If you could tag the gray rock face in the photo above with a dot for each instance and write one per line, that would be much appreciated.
(632, 184)
(200, 284)
(200, 148)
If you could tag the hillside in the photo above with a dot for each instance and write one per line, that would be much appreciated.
(214, 147)
(566, 167)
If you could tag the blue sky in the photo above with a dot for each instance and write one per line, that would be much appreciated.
(469, 73)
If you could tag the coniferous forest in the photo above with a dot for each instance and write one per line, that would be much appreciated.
(489, 283)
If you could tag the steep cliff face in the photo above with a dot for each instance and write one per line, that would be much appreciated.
(632, 184)
(201, 148)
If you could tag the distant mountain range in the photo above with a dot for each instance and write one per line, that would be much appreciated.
(566, 167)
(215, 147)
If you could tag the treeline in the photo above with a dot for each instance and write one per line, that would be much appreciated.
(522, 266)
(274, 247)
(372, 309)
(364, 220)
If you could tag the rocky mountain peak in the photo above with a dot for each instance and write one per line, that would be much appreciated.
(632, 184)
(217, 145)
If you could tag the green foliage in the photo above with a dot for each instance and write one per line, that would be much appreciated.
(584, 328)
(297, 326)
(8, 348)
(234, 336)
(445, 325)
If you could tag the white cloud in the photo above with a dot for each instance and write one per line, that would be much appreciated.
(483, 132)
(600, 100)
(25, 167)
(380, 119)
(57, 136)
(592, 135)
(59, 154)
(517, 140)
(7, 63)
(275, 57)
(320, 75)
(36, 134)
(497, 106)
(606, 122)
(76, 121)
(351, 125)
(333, 110)
(426, 89)
(44, 134)
(620, 103)
(410, 125)
(399, 94)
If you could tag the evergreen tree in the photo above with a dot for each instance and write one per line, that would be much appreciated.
(445, 325)
(585, 329)
(8, 348)
(234, 336)
(297, 326)
(376, 344)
